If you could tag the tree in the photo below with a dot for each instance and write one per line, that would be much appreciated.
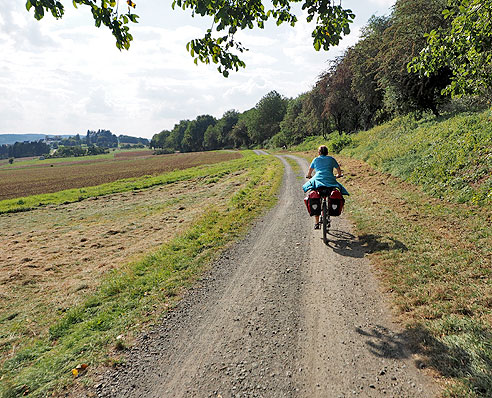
(364, 64)
(314, 105)
(127, 139)
(28, 148)
(193, 136)
(299, 122)
(176, 136)
(160, 140)
(218, 135)
(107, 13)
(404, 91)
(219, 44)
(239, 133)
(340, 103)
(265, 118)
(465, 46)
(211, 137)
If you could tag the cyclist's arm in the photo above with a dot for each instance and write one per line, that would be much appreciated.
(310, 173)
(339, 172)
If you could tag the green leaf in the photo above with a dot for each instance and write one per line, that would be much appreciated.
(28, 5)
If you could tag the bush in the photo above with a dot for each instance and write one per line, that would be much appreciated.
(163, 151)
(337, 142)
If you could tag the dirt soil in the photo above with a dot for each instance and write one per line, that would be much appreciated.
(280, 314)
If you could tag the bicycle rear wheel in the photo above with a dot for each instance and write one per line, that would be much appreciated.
(324, 214)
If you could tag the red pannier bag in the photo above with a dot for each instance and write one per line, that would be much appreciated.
(313, 203)
(335, 203)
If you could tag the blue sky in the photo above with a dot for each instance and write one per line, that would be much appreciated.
(66, 76)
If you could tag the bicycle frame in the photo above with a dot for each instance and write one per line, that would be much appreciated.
(324, 193)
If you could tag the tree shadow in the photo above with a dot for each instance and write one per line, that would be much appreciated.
(459, 356)
(348, 245)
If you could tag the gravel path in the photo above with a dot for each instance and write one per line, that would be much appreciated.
(281, 314)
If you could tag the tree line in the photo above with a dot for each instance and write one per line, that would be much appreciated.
(24, 149)
(93, 143)
(372, 82)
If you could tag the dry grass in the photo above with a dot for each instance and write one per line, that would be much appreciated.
(52, 257)
(76, 276)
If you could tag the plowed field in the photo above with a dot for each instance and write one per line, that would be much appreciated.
(19, 182)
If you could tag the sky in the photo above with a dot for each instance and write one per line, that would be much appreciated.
(67, 76)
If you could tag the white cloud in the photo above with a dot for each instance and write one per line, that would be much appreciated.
(383, 3)
(97, 103)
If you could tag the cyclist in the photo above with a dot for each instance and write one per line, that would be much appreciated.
(323, 165)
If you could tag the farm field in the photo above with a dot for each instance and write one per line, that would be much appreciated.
(16, 182)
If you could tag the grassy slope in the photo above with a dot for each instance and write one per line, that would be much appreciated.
(433, 255)
(450, 158)
(138, 292)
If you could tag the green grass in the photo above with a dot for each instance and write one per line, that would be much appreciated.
(37, 162)
(295, 168)
(72, 159)
(449, 157)
(208, 172)
(433, 256)
(135, 294)
(335, 143)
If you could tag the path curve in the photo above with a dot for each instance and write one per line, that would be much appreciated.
(281, 314)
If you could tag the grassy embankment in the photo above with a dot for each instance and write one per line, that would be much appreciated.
(423, 209)
(137, 292)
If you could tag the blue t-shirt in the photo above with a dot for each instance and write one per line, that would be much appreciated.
(324, 165)
(324, 177)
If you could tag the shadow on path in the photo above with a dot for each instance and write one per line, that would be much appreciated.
(452, 356)
(348, 245)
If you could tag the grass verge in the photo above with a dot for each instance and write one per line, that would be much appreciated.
(448, 157)
(138, 292)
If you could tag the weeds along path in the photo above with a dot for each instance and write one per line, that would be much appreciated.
(279, 315)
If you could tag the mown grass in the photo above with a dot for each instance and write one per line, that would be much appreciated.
(122, 185)
(295, 168)
(72, 159)
(435, 261)
(139, 291)
(38, 162)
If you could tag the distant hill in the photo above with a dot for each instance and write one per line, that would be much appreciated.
(13, 138)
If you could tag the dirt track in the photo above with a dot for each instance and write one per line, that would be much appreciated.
(280, 315)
